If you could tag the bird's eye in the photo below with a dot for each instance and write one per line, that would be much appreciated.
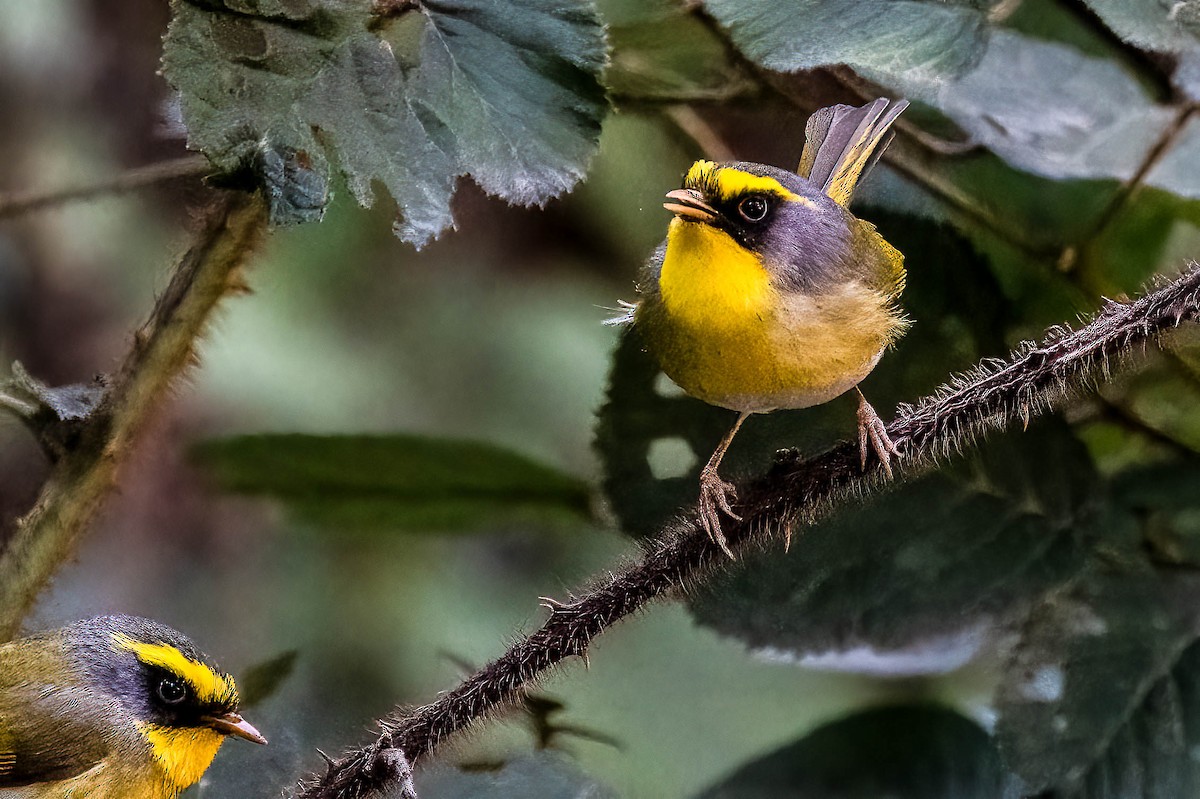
(754, 208)
(172, 691)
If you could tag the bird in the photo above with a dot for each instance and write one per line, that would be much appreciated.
(769, 294)
(111, 707)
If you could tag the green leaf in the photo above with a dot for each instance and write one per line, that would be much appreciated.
(1087, 661)
(917, 580)
(399, 482)
(1166, 497)
(508, 94)
(546, 775)
(262, 680)
(1150, 235)
(1163, 395)
(903, 752)
(1096, 121)
(925, 39)
(1172, 486)
(1153, 755)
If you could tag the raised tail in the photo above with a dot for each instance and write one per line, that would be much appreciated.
(843, 142)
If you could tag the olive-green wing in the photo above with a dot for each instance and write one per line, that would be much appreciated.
(842, 143)
(47, 733)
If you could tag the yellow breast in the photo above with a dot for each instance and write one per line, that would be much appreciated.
(709, 281)
(722, 330)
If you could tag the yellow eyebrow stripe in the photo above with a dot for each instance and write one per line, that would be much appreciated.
(208, 684)
(727, 182)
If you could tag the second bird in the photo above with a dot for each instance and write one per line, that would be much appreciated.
(115, 707)
(769, 294)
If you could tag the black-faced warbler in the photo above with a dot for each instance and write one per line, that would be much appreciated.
(115, 707)
(769, 294)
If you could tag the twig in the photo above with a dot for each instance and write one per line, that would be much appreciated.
(991, 396)
(1068, 259)
(1121, 415)
(17, 402)
(698, 130)
(17, 203)
(81, 480)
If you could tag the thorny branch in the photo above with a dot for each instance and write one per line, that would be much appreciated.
(84, 476)
(993, 395)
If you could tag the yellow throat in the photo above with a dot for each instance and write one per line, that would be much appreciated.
(183, 754)
(710, 281)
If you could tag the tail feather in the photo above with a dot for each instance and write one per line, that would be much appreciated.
(842, 143)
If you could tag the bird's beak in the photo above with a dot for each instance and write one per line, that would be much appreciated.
(689, 204)
(233, 724)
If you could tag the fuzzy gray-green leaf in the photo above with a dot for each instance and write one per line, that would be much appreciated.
(1164, 26)
(912, 38)
(902, 752)
(509, 95)
(1087, 661)
(1093, 120)
(916, 580)
(517, 85)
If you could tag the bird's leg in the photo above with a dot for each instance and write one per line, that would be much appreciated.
(872, 430)
(716, 494)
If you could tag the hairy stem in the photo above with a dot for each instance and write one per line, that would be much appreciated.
(17, 203)
(993, 395)
(163, 347)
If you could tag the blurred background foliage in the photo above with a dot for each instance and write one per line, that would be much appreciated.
(426, 422)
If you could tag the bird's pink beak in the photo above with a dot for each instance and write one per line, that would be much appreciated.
(234, 724)
(689, 204)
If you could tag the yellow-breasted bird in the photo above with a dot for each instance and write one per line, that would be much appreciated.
(114, 707)
(769, 294)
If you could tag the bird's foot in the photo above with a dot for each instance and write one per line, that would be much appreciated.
(716, 497)
(873, 432)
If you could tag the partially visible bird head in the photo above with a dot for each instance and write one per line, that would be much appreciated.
(796, 231)
(180, 702)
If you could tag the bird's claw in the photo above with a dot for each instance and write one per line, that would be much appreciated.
(872, 431)
(716, 497)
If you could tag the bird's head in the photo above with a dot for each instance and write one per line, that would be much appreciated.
(793, 229)
(179, 701)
